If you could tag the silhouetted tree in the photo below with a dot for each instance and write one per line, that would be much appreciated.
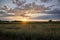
(50, 20)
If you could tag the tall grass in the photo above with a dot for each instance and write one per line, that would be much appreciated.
(30, 31)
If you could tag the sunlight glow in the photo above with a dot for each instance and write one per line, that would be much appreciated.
(24, 20)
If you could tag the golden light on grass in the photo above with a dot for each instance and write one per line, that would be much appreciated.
(24, 21)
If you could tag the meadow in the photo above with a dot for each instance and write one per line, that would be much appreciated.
(29, 30)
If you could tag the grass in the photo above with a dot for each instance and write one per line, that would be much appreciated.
(30, 31)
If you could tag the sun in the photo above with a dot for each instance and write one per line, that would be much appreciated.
(24, 20)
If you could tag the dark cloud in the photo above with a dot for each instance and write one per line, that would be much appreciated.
(49, 17)
(0, 1)
(51, 6)
(58, 0)
(56, 11)
(36, 0)
(45, 0)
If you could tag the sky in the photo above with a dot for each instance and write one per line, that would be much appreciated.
(53, 5)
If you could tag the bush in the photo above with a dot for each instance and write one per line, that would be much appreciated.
(50, 20)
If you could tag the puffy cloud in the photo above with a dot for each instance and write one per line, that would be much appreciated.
(18, 2)
(33, 5)
(5, 7)
(14, 1)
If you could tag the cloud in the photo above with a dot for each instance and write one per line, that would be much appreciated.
(55, 11)
(49, 17)
(33, 5)
(58, 0)
(43, 0)
(14, 1)
(46, 0)
(18, 2)
(0, 1)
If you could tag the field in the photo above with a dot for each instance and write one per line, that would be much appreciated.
(30, 31)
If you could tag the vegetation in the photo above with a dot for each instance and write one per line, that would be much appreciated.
(30, 31)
